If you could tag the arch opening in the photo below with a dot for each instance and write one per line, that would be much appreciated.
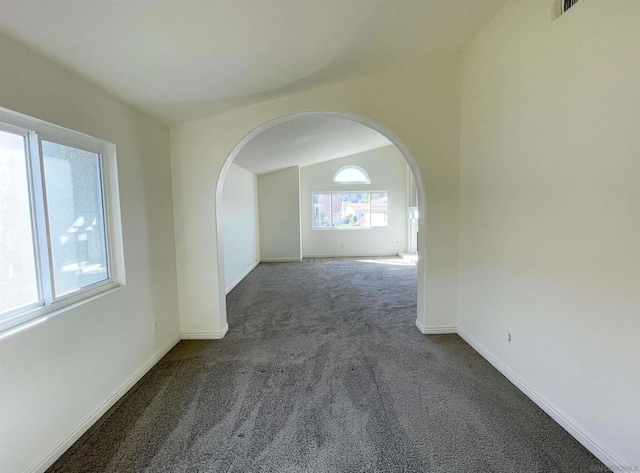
(386, 133)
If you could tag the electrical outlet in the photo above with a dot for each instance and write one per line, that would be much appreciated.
(154, 325)
(341, 245)
(508, 337)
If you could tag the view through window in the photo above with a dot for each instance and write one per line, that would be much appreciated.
(350, 209)
(54, 246)
(76, 217)
(18, 274)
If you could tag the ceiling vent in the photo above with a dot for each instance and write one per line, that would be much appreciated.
(565, 5)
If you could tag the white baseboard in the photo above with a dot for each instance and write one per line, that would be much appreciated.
(68, 440)
(350, 255)
(411, 257)
(587, 440)
(241, 277)
(434, 330)
(206, 335)
(280, 260)
(605, 455)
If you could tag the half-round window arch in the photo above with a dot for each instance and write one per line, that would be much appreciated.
(351, 175)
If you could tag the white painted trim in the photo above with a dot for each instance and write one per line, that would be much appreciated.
(434, 330)
(43, 313)
(241, 277)
(68, 440)
(351, 255)
(280, 260)
(408, 256)
(356, 168)
(604, 454)
(392, 137)
(35, 131)
(206, 335)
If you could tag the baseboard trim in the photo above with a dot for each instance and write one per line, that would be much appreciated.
(434, 330)
(587, 440)
(280, 260)
(241, 277)
(68, 440)
(350, 255)
(206, 335)
(605, 455)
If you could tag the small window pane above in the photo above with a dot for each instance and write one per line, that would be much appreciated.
(76, 217)
(18, 273)
(351, 175)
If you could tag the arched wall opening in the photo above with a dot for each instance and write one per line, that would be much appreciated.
(388, 134)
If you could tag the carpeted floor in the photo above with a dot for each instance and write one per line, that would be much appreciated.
(323, 370)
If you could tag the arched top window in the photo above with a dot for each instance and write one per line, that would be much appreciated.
(351, 175)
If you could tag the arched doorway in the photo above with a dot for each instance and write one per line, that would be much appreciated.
(388, 134)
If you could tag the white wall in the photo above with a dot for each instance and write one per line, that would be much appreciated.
(387, 170)
(239, 225)
(420, 104)
(54, 375)
(550, 210)
(279, 213)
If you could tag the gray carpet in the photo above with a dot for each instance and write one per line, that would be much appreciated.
(323, 370)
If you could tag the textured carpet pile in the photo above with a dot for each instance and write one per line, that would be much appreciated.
(323, 370)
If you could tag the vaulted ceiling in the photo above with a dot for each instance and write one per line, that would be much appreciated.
(307, 141)
(178, 60)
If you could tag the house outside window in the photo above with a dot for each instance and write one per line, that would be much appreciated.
(346, 210)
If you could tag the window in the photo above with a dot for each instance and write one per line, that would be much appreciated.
(351, 175)
(346, 210)
(57, 236)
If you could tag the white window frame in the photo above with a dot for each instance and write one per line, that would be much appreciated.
(348, 228)
(351, 183)
(35, 131)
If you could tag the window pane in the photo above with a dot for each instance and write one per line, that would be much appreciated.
(18, 277)
(350, 209)
(76, 220)
(379, 209)
(321, 210)
(351, 175)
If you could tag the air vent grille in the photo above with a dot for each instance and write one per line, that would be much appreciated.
(566, 4)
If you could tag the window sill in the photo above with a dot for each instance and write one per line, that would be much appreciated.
(32, 317)
(340, 229)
